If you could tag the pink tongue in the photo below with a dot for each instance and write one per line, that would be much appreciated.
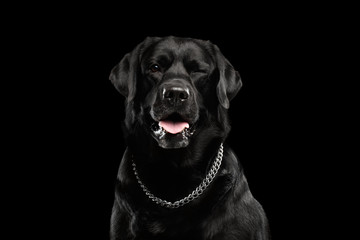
(173, 127)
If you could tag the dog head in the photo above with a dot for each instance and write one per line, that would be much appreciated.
(173, 87)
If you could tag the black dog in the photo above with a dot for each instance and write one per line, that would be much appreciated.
(176, 180)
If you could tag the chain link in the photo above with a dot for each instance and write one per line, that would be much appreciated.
(192, 196)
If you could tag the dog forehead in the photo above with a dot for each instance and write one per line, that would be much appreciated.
(179, 48)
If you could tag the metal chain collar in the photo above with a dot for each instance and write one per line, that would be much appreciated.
(192, 196)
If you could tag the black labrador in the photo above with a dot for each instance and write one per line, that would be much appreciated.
(177, 178)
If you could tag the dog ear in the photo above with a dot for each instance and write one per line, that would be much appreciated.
(229, 80)
(124, 75)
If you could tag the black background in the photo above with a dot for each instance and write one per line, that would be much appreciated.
(69, 116)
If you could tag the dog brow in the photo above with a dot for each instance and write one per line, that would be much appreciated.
(196, 64)
(162, 59)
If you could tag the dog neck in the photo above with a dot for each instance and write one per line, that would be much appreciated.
(194, 194)
(172, 174)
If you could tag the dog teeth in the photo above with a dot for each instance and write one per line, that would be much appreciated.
(162, 132)
(159, 131)
(187, 133)
(183, 133)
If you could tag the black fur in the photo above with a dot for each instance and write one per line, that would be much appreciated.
(191, 80)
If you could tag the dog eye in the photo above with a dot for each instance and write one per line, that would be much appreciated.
(155, 68)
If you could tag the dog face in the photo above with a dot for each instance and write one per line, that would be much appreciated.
(173, 86)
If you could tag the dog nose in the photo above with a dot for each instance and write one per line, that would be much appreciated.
(175, 94)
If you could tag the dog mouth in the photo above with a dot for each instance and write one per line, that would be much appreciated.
(172, 130)
(173, 127)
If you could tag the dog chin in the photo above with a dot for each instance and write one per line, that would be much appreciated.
(169, 140)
